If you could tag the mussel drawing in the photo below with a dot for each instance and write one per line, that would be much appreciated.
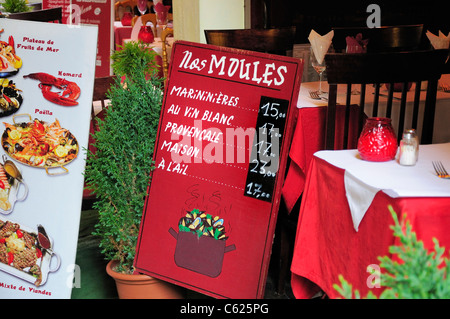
(201, 243)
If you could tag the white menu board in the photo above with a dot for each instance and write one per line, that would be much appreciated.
(47, 73)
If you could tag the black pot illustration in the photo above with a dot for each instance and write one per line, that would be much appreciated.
(203, 254)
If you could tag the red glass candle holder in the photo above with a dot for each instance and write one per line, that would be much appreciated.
(146, 35)
(377, 142)
(126, 19)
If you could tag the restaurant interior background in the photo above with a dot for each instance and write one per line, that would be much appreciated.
(191, 17)
(305, 15)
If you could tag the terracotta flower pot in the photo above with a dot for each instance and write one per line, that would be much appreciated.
(142, 286)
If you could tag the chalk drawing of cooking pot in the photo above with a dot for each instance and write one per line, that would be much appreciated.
(203, 254)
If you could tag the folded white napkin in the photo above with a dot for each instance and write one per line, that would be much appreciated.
(320, 44)
(359, 197)
(439, 42)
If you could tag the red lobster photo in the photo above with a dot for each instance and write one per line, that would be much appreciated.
(67, 97)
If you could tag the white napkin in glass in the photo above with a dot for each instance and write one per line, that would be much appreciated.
(320, 44)
(439, 42)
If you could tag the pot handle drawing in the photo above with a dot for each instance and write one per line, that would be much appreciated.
(203, 254)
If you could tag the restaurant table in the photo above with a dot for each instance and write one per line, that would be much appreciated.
(157, 45)
(309, 135)
(344, 221)
(120, 33)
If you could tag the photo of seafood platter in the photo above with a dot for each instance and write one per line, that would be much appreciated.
(10, 63)
(10, 182)
(26, 253)
(40, 144)
(10, 97)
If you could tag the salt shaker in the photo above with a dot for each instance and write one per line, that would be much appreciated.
(409, 148)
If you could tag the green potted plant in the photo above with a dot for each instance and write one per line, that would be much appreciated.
(14, 6)
(118, 173)
(419, 273)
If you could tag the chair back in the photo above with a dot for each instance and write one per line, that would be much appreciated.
(165, 59)
(123, 6)
(276, 41)
(120, 7)
(383, 39)
(373, 70)
(44, 15)
(101, 88)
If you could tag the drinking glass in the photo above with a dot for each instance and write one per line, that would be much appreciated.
(162, 19)
(142, 6)
(319, 66)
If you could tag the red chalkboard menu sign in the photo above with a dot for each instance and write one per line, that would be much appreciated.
(220, 157)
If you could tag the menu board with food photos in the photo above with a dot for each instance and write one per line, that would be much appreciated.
(220, 157)
(93, 12)
(45, 106)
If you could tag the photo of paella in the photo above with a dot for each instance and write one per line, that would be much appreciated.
(39, 144)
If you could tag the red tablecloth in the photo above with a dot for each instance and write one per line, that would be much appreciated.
(309, 137)
(120, 33)
(327, 245)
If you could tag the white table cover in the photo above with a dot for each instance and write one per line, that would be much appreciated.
(363, 179)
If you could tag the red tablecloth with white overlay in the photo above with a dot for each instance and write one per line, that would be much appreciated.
(309, 133)
(327, 244)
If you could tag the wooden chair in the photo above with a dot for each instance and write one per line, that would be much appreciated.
(127, 6)
(165, 59)
(277, 41)
(123, 6)
(376, 69)
(169, 16)
(101, 88)
(44, 15)
(383, 39)
(149, 17)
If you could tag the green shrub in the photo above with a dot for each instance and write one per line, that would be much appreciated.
(14, 6)
(118, 172)
(419, 273)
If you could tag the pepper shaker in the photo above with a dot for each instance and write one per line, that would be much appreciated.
(409, 148)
